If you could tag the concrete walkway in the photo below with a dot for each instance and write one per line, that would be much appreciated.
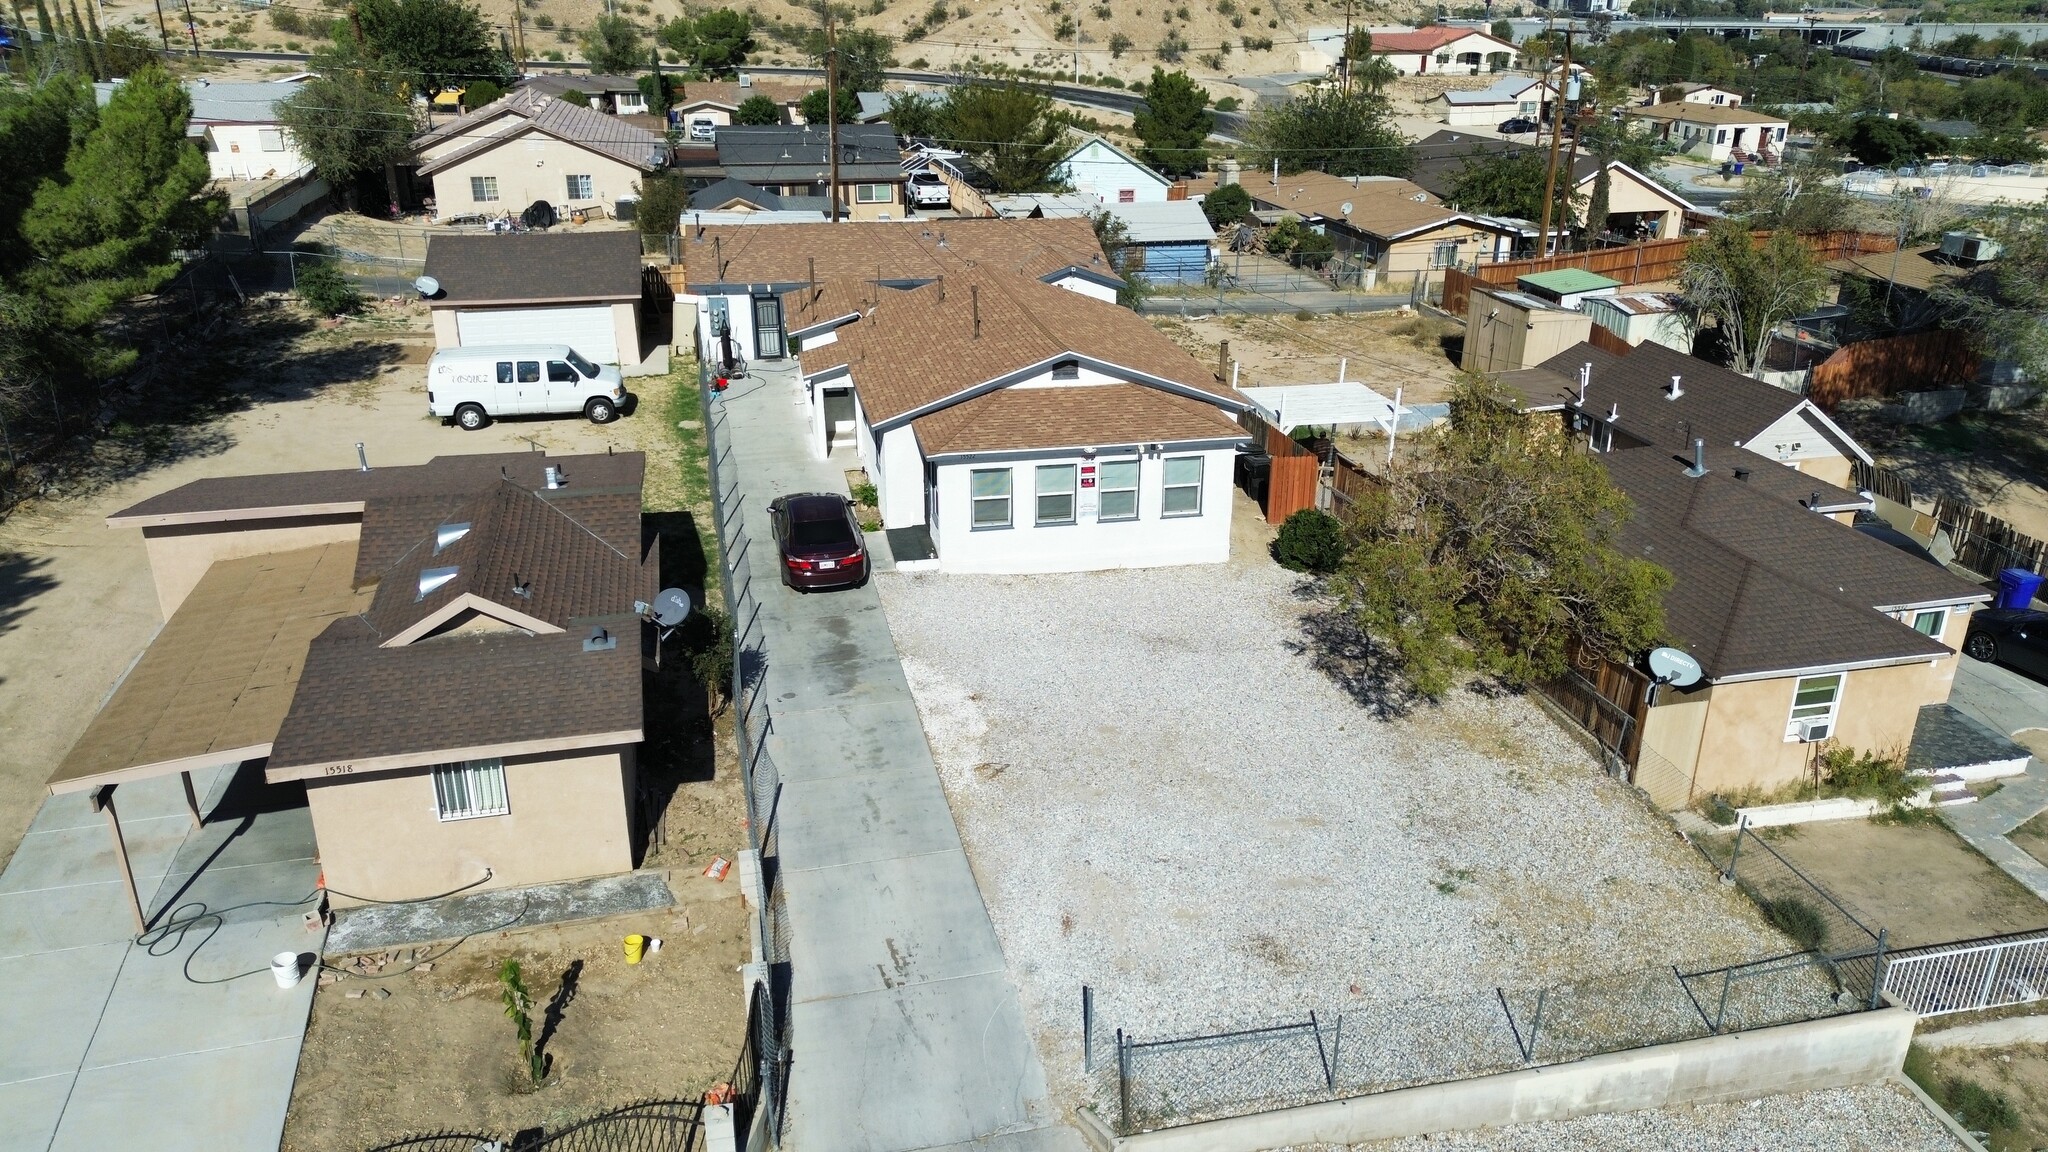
(105, 1043)
(2007, 702)
(905, 1028)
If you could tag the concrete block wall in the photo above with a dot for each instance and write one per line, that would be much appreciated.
(1830, 1053)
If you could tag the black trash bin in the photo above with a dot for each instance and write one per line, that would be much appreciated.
(1254, 469)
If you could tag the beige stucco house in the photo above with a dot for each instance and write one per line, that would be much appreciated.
(1810, 633)
(491, 292)
(447, 655)
(528, 147)
(1638, 205)
(1397, 229)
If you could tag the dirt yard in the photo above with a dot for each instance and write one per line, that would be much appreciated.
(2000, 1090)
(422, 1050)
(1919, 881)
(1383, 350)
(1995, 460)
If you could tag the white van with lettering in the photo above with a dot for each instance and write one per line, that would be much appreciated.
(473, 386)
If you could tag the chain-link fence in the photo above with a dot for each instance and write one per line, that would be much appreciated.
(760, 780)
(1795, 903)
(1144, 1083)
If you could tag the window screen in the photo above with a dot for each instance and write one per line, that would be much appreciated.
(483, 189)
(991, 495)
(1055, 494)
(1119, 488)
(1182, 494)
(579, 188)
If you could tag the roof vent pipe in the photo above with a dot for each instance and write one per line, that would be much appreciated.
(974, 295)
(362, 457)
(1613, 413)
(1585, 379)
(1699, 459)
(554, 477)
(1676, 390)
(1813, 502)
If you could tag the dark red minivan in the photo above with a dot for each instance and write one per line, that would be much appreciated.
(819, 544)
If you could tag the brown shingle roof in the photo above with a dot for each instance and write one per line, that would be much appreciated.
(919, 347)
(1027, 418)
(1706, 114)
(535, 266)
(786, 255)
(572, 123)
(730, 95)
(1764, 585)
(1918, 267)
(1388, 209)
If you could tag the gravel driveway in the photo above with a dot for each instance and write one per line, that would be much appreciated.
(1164, 799)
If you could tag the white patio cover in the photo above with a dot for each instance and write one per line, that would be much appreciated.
(1346, 402)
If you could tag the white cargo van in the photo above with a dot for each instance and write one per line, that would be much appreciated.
(474, 385)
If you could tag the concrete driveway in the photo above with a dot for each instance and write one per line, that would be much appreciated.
(2002, 698)
(185, 1041)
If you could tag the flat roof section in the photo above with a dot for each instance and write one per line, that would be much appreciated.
(1565, 281)
(215, 684)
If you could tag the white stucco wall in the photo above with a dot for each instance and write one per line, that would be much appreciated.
(237, 152)
(1087, 544)
(1096, 170)
(1794, 438)
(899, 483)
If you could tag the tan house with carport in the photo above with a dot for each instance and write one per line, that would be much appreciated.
(1638, 205)
(1397, 229)
(448, 655)
(528, 146)
(582, 289)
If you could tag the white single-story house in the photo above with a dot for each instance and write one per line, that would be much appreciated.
(1696, 93)
(236, 124)
(1715, 132)
(1440, 49)
(1022, 428)
(528, 146)
(1507, 98)
(1111, 175)
(589, 297)
(731, 278)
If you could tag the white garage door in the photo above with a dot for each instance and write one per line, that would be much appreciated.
(587, 329)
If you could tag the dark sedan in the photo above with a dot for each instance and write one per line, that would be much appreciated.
(819, 544)
(1517, 126)
(2014, 636)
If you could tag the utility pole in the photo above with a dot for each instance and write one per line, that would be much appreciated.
(1556, 129)
(518, 36)
(832, 106)
(1571, 162)
(1345, 56)
(191, 27)
(163, 30)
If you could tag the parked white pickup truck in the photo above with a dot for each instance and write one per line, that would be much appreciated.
(474, 385)
(928, 190)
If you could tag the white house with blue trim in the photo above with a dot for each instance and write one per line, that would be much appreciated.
(1111, 175)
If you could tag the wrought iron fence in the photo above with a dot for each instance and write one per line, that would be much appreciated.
(648, 1126)
(1153, 1083)
(1965, 977)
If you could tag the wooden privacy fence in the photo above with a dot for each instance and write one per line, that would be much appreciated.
(1984, 543)
(1642, 263)
(1292, 480)
(1919, 362)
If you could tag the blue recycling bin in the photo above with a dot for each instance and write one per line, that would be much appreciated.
(2017, 587)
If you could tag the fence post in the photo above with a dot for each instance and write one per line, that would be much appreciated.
(1329, 1074)
(1721, 1012)
(1536, 1023)
(1877, 971)
(1990, 978)
(1123, 1083)
(1087, 1028)
(1728, 877)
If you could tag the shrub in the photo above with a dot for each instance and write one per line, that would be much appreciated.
(1118, 44)
(865, 493)
(543, 21)
(1981, 1108)
(1227, 104)
(709, 642)
(288, 20)
(325, 290)
(1866, 775)
(1798, 919)
(1310, 541)
(1172, 47)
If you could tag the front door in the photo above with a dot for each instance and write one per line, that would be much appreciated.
(768, 343)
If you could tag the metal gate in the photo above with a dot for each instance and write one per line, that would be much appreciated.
(1967, 977)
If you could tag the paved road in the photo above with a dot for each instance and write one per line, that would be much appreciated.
(905, 1028)
(106, 1045)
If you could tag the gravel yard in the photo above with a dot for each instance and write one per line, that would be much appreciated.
(1865, 1118)
(1163, 798)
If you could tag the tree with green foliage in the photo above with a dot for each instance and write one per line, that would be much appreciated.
(612, 45)
(2005, 146)
(657, 88)
(39, 126)
(757, 110)
(1173, 122)
(1007, 126)
(1502, 30)
(1310, 540)
(819, 107)
(1511, 184)
(126, 52)
(325, 289)
(1364, 69)
(128, 198)
(1330, 130)
(350, 120)
(1226, 204)
(864, 54)
(2005, 302)
(1301, 244)
(1126, 259)
(1495, 553)
(663, 200)
(479, 93)
(519, 1010)
(1799, 196)
(916, 114)
(714, 44)
(1747, 289)
(1881, 141)
(438, 44)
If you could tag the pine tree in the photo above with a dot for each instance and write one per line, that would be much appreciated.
(83, 49)
(97, 44)
(49, 43)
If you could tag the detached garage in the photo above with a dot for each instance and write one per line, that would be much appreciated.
(576, 288)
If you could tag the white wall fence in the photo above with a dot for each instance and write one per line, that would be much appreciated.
(1969, 976)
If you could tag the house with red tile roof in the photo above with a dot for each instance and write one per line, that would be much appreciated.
(1436, 48)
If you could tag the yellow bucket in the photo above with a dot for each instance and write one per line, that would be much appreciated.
(636, 946)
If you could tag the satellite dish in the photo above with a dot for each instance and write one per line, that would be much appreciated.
(428, 287)
(1346, 208)
(1674, 667)
(671, 607)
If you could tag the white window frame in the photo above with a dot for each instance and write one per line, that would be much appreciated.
(588, 186)
(1007, 498)
(1166, 490)
(1830, 712)
(1102, 514)
(1040, 493)
(483, 189)
(270, 139)
(874, 194)
(1940, 615)
(470, 790)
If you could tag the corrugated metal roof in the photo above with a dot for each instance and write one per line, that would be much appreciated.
(1502, 91)
(1565, 281)
(1171, 222)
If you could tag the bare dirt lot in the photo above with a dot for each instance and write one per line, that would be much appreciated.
(1383, 350)
(2000, 1090)
(438, 1051)
(1995, 460)
(1919, 881)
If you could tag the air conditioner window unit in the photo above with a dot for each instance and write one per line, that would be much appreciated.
(1812, 731)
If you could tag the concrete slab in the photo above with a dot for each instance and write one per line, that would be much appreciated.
(920, 919)
(391, 925)
(825, 743)
(228, 1098)
(32, 1108)
(53, 919)
(70, 991)
(170, 1003)
(865, 817)
(2001, 698)
(70, 856)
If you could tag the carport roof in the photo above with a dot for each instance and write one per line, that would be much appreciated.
(538, 268)
(1345, 402)
(216, 683)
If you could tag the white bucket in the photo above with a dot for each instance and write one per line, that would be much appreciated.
(285, 966)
